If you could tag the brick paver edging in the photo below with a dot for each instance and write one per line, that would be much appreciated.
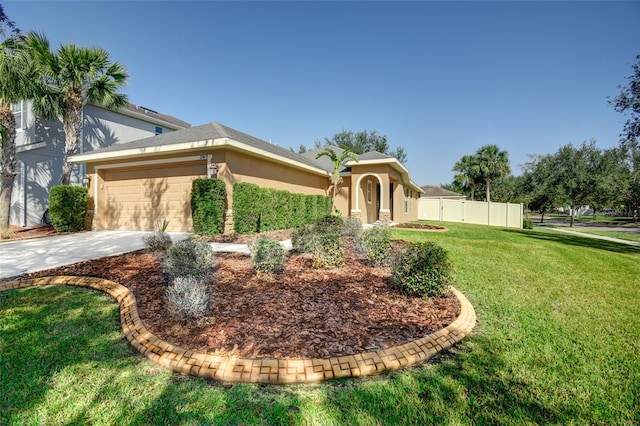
(263, 370)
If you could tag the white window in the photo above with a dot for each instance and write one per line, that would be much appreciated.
(369, 195)
(18, 111)
(158, 130)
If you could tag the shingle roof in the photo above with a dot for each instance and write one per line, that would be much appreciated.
(436, 191)
(156, 115)
(208, 131)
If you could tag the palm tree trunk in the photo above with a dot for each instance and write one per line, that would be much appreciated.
(72, 122)
(7, 162)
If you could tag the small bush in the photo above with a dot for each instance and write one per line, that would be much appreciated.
(188, 258)
(158, 241)
(68, 207)
(527, 224)
(327, 250)
(328, 225)
(267, 255)
(188, 296)
(375, 243)
(422, 269)
(302, 239)
(352, 227)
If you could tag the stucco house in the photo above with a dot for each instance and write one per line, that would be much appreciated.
(40, 147)
(137, 185)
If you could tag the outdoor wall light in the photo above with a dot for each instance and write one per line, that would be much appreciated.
(86, 179)
(213, 170)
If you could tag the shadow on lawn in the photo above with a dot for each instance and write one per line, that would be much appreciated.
(475, 383)
(576, 240)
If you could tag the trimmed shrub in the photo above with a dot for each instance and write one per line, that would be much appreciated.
(328, 225)
(422, 269)
(527, 224)
(68, 207)
(267, 255)
(283, 209)
(327, 250)
(189, 258)
(246, 208)
(375, 243)
(158, 241)
(302, 239)
(352, 227)
(297, 210)
(188, 297)
(309, 209)
(208, 199)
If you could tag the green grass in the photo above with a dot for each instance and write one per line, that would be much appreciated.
(558, 342)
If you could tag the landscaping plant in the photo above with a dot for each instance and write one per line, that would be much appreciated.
(375, 243)
(267, 255)
(68, 207)
(422, 269)
(208, 198)
(188, 297)
(189, 258)
(159, 240)
(327, 251)
(352, 227)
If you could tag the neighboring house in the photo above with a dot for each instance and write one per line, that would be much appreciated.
(40, 147)
(437, 192)
(137, 185)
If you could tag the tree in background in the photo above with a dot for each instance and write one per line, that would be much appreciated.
(467, 175)
(359, 143)
(7, 25)
(538, 184)
(18, 81)
(338, 162)
(74, 76)
(628, 102)
(492, 164)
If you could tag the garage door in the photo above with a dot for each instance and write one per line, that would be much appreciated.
(142, 198)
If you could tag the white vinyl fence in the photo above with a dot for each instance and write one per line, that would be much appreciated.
(479, 212)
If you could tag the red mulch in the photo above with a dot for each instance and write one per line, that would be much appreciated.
(17, 233)
(423, 226)
(301, 312)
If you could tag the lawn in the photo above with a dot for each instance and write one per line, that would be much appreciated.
(558, 341)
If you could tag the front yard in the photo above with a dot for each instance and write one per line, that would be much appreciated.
(558, 341)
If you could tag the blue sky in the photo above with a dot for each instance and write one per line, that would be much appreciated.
(440, 79)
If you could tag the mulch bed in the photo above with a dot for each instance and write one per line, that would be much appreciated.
(299, 313)
(421, 226)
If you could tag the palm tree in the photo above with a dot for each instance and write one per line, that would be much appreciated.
(74, 76)
(337, 161)
(17, 82)
(492, 164)
(467, 173)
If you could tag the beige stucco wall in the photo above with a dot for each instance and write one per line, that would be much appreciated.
(134, 203)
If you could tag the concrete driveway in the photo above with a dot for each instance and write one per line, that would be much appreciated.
(21, 257)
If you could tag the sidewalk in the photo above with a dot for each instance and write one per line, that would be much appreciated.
(598, 237)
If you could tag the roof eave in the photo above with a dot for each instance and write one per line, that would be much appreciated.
(395, 164)
(92, 157)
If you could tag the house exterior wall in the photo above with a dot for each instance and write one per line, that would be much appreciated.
(136, 194)
(242, 167)
(40, 147)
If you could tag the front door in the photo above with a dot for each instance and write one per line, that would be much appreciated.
(377, 201)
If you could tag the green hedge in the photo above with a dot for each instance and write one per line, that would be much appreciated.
(258, 209)
(68, 207)
(208, 198)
